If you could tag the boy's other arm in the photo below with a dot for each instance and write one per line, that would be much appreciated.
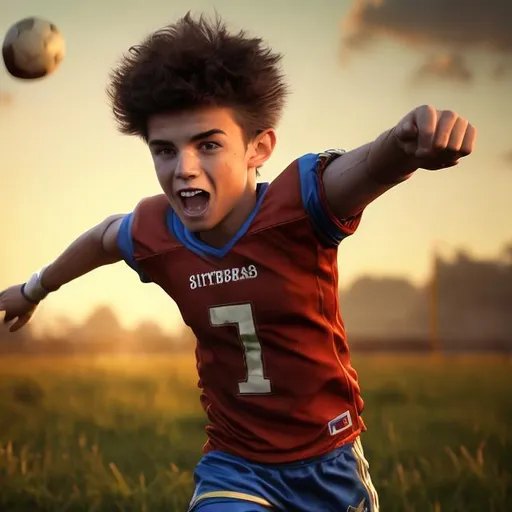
(95, 248)
(425, 138)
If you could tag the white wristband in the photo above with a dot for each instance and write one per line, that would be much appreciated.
(33, 288)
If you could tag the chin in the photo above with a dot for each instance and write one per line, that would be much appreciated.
(198, 225)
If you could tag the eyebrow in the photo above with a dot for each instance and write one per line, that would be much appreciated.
(194, 138)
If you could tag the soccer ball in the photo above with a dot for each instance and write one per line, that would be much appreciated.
(33, 48)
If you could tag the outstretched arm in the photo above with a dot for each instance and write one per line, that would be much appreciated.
(95, 248)
(425, 138)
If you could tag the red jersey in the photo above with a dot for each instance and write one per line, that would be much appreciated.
(274, 369)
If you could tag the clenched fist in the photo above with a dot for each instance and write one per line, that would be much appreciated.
(436, 138)
(17, 306)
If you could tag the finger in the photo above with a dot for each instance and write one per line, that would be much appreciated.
(8, 317)
(468, 143)
(457, 135)
(407, 131)
(446, 165)
(445, 124)
(22, 321)
(426, 121)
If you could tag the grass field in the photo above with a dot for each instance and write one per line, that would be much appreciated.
(124, 434)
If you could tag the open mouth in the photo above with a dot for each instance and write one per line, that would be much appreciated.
(194, 201)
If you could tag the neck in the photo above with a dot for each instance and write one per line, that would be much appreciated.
(226, 230)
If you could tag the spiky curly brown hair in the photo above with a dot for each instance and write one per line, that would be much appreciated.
(194, 64)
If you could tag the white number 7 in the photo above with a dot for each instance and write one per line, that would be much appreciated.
(240, 316)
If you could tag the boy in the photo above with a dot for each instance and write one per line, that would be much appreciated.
(252, 267)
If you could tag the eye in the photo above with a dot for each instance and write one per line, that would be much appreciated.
(164, 151)
(209, 145)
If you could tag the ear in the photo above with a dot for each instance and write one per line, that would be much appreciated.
(261, 148)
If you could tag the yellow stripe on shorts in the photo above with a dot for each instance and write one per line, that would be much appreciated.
(231, 495)
(364, 474)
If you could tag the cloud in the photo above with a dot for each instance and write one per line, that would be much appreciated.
(503, 69)
(453, 27)
(449, 66)
(508, 157)
(6, 99)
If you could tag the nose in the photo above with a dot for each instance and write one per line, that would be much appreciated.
(188, 166)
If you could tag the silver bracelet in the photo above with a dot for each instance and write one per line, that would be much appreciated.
(33, 289)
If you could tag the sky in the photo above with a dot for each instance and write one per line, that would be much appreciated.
(355, 68)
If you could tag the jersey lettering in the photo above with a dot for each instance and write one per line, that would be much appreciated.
(227, 275)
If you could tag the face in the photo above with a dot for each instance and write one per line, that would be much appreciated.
(205, 168)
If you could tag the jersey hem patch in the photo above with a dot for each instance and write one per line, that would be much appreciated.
(340, 423)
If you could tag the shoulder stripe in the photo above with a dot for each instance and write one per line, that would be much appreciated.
(312, 200)
(125, 244)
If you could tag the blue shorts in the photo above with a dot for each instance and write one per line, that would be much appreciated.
(336, 482)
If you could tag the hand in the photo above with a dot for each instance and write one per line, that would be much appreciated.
(435, 138)
(17, 306)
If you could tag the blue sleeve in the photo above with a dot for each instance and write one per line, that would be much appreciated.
(125, 244)
(332, 230)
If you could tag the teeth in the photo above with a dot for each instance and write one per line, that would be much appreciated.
(189, 193)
